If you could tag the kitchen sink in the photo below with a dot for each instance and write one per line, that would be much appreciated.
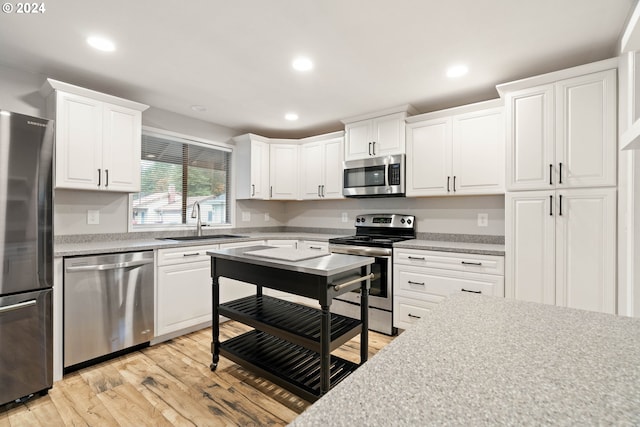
(209, 237)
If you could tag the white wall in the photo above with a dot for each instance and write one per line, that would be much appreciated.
(456, 215)
(19, 92)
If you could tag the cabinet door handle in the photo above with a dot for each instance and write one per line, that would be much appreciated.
(323, 194)
(416, 257)
(470, 291)
(454, 183)
(374, 148)
(560, 173)
(271, 191)
(253, 190)
(560, 207)
(414, 316)
(369, 148)
(550, 205)
(192, 254)
(471, 263)
(106, 181)
(551, 174)
(99, 177)
(448, 180)
(319, 194)
(411, 282)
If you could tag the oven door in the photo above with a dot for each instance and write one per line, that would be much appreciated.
(380, 293)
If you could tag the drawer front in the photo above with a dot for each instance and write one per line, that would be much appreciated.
(430, 282)
(184, 254)
(408, 311)
(488, 264)
(315, 246)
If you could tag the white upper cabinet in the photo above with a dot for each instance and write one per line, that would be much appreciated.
(478, 152)
(283, 175)
(252, 167)
(321, 169)
(98, 139)
(375, 136)
(456, 154)
(563, 134)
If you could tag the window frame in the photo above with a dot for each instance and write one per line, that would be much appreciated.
(202, 142)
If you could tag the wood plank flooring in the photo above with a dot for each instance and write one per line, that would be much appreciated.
(169, 384)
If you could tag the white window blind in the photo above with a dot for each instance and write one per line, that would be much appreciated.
(176, 173)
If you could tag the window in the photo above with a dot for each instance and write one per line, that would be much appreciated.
(176, 173)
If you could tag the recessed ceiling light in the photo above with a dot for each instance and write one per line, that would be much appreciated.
(199, 108)
(302, 63)
(291, 117)
(101, 43)
(457, 71)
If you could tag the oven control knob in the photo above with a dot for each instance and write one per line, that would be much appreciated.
(402, 220)
(409, 221)
(358, 219)
(362, 220)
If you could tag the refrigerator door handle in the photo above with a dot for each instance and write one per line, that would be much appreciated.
(18, 306)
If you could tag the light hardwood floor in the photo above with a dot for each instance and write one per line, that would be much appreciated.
(169, 384)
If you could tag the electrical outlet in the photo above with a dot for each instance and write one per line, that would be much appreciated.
(246, 216)
(93, 217)
(267, 218)
(345, 217)
(483, 220)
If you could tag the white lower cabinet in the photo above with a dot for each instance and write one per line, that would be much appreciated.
(183, 288)
(422, 279)
(562, 247)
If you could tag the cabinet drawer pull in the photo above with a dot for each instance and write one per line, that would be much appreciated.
(414, 316)
(192, 254)
(550, 205)
(470, 291)
(550, 174)
(421, 258)
(317, 248)
(471, 263)
(411, 282)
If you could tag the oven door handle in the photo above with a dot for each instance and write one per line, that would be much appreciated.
(360, 250)
(352, 282)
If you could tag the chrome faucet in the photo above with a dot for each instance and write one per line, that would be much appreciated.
(195, 213)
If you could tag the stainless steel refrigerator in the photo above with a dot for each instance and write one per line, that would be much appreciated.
(26, 247)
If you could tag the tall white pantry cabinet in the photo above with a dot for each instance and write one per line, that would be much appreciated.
(560, 205)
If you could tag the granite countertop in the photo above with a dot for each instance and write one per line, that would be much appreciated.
(102, 244)
(480, 360)
(452, 246)
(324, 265)
(92, 247)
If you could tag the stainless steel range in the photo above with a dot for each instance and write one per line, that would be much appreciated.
(375, 236)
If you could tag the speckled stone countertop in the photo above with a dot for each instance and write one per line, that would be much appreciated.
(124, 245)
(452, 246)
(106, 243)
(479, 360)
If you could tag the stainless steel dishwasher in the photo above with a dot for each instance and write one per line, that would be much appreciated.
(108, 304)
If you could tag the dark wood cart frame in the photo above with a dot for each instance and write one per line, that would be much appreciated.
(291, 343)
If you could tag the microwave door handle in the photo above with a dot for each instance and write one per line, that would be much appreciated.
(387, 171)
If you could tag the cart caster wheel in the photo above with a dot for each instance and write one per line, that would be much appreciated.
(213, 366)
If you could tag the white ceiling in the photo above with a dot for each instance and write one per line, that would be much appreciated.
(234, 56)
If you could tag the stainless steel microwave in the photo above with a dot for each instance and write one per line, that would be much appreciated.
(374, 177)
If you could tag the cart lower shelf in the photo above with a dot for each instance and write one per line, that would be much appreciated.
(291, 366)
